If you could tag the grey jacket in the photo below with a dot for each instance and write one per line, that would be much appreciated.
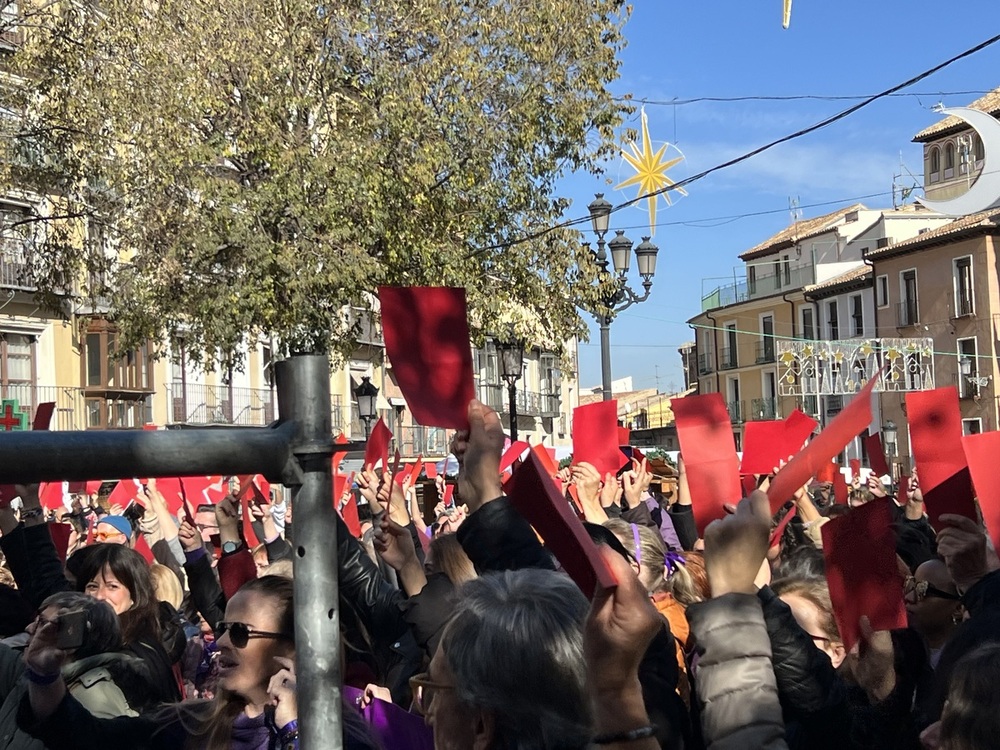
(733, 677)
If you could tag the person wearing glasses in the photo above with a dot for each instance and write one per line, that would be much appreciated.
(933, 606)
(113, 530)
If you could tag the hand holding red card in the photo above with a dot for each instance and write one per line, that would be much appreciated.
(811, 460)
(535, 497)
(428, 345)
(595, 437)
(861, 571)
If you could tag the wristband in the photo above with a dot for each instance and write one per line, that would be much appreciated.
(37, 678)
(289, 728)
(630, 736)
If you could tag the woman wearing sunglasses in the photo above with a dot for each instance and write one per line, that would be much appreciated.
(254, 706)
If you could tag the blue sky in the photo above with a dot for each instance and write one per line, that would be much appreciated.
(732, 48)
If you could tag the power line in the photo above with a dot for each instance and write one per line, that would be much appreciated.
(750, 154)
(789, 98)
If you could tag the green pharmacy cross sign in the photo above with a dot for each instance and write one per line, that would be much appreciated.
(12, 417)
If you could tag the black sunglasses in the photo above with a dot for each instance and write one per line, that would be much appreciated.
(240, 633)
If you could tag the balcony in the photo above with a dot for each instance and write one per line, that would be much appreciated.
(362, 326)
(69, 413)
(705, 364)
(414, 440)
(907, 313)
(763, 409)
(15, 270)
(529, 403)
(737, 411)
(964, 307)
(765, 351)
(757, 287)
(222, 404)
(728, 358)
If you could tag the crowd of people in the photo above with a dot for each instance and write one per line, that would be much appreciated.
(723, 639)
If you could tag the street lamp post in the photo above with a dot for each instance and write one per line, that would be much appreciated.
(974, 380)
(366, 395)
(511, 368)
(621, 295)
(889, 434)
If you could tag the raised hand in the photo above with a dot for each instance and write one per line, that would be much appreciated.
(281, 688)
(588, 483)
(478, 451)
(611, 491)
(636, 482)
(735, 546)
(962, 544)
(189, 536)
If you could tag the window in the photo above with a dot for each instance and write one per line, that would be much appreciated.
(882, 291)
(17, 368)
(978, 150)
(765, 352)
(788, 270)
(117, 383)
(752, 279)
(10, 34)
(808, 324)
(972, 426)
(935, 164)
(949, 160)
(729, 359)
(857, 316)
(962, 274)
(550, 376)
(832, 322)
(268, 363)
(968, 348)
(733, 393)
(777, 274)
(909, 310)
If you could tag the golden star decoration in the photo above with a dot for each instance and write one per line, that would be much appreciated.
(650, 172)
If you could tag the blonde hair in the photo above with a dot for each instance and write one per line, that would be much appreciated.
(283, 568)
(166, 586)
(650, 553)
(816, 592)
(448, 557)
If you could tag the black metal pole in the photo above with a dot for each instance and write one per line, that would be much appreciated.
(43, 456)
(512, 400)
(305, 381)
(605, 358)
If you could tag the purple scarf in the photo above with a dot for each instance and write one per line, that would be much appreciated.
(250, 734)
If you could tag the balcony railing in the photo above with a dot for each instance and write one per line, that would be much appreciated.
(763, 409)
(907, 313)
(420, 441)
(759, 286)
(737, 411)
(69, 411)
(728, 358)
(529, 403)
(15, 270)
(765, 351)
(964, 307)
(705, 364)
(220, 404)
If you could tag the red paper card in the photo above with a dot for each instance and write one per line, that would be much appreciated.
(852, 421)
(749, 482)
(876, 455)
(377, 448)
(84, 488)
(415, 471)
(709, 452)
(536, 498)
(512, 454)
(860, 553)
(124, 492)
(826, 473)
(427, 342)
(624, 435)
(982, 452)
(43, 415)
(449, 496)
(935, 423)
(855, 465)
(595, 437)
(767, 443)
(841, 492)
(431, 470)
(142, 547)
(574, 494)
(60, 533)
(50, 494)
(779, 530)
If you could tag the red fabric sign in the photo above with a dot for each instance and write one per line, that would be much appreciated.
(982, 452)
(936, 437)
(876, 455)
(861, 571)
(709, 452)
(807, 463)
(377, 448)
(595, 437)
(428, 345)
(536, 498)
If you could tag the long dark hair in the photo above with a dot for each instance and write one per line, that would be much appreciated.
(970, 720)
(141, 621)
(209, 724)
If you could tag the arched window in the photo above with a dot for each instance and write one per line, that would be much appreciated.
(949, 157)
(978, 150)
(935, 161)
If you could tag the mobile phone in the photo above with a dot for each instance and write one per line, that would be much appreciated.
(72, 627)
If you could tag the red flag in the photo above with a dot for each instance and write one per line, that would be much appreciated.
(427, 341)
(852, 420)
(377, 448)
(860, 553)
(536, 498)
(709, 452)
(936, 438)
(595, 437)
